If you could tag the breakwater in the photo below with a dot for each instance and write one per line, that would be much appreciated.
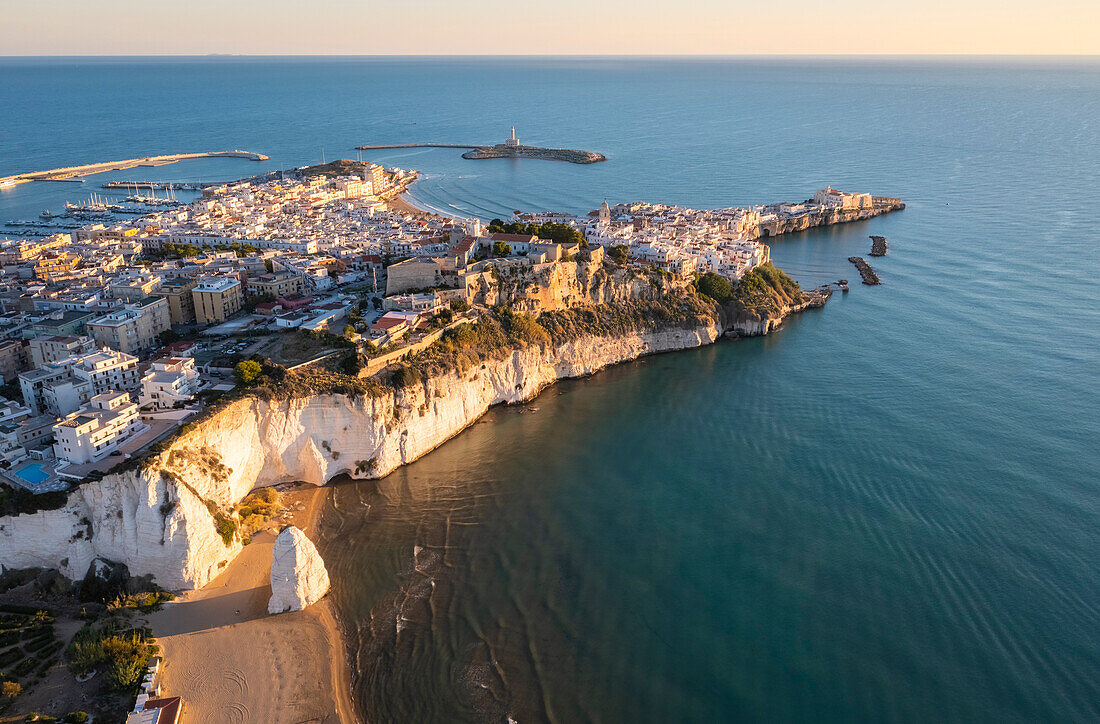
(68, 172)
(878, 246)
(865, 270)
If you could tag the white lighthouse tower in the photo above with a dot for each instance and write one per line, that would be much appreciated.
(513, 141)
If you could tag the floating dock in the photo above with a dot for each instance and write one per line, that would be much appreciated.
(67, 173)
(865, 271)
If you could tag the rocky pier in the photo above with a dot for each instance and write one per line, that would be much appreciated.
(865, 271)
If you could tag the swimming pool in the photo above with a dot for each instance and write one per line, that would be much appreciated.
(32, 474)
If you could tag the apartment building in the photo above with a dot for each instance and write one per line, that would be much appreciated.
(216, 299)
(98, 429)
(168, 382)
(52, 348)
(181, 304)
(13, 359)
(133, 328)
(63, 386)
(278, 284)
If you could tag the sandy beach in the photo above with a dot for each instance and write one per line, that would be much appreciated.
(233, 662)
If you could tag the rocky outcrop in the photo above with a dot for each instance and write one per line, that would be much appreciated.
(174, 518)
(298, 575)
(536, 288)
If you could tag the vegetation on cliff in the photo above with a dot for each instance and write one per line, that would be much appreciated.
(763, 291)
(503, 331)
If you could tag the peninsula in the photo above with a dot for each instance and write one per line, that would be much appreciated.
(511, 148)
(318, 328)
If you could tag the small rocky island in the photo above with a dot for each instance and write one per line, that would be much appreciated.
(511, 148)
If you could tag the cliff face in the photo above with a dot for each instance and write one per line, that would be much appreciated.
(828, 218)
(164, 518)
(550, 286)
(160, 520)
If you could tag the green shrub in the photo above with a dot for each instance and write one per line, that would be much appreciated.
(123, 655)
(226, 527)
(714, 286)
(247, 371)
(405, 376)
(76, 717)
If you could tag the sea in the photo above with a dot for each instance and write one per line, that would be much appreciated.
(888, 510)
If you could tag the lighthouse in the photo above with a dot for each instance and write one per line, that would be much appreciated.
(513, 141)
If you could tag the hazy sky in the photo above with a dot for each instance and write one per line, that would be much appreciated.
(485, 27)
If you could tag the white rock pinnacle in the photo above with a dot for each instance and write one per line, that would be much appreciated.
(298, 575)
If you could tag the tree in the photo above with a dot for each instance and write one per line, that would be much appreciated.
(269, 266)
(619, 254)
(460, 305)
(501, 249)
(11, 689)
(247, 371)
(717, 288)
(349, 332)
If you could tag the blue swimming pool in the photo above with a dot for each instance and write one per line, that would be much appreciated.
(32, 474)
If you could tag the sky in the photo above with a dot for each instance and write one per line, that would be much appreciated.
(549, 27)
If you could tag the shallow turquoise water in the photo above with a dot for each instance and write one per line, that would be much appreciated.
(886, 511)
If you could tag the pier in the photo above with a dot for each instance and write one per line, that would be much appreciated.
(865, 271)
(878, 246)
(69, 172)
(413, 145)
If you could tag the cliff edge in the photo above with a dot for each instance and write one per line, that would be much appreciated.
(173, 514)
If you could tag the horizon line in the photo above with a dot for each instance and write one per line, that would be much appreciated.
(555, 55)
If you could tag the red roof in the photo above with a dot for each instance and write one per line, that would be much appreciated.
(385, 323)
(464, 246)
(169, 706)
(528, 238)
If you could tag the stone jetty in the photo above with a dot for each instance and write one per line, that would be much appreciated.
(878, 246)
(865, 270)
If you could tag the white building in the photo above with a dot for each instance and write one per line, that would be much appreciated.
(51, 348)
(168, 382)
(94, 432)
(62, 387)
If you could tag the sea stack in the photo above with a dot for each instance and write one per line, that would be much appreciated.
(298, 575)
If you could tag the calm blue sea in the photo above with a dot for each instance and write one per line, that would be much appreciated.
(887, 511)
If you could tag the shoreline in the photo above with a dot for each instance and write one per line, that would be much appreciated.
(212, 639)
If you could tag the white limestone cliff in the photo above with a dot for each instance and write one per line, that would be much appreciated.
(164, 519)
(298, 575)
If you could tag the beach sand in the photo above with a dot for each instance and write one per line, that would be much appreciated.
(233, 662)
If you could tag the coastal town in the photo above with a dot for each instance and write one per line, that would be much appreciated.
(116, 333)
(119, 332)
